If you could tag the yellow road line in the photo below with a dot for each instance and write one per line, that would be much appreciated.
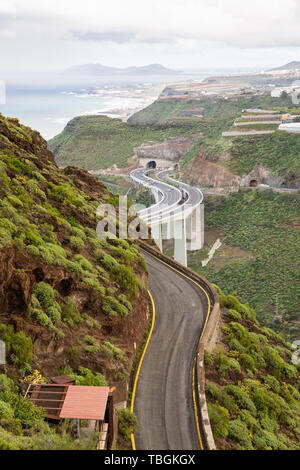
(141, 362)
(207, 317)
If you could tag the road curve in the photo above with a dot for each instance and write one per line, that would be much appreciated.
(164, 401)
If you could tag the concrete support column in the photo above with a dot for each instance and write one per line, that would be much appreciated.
(157, 236)
(195, 229)
(180, 254)
(157, 195)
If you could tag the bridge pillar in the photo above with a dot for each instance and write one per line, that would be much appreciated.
(156, 231)
(195, 229)
(180, 254)
(157, 195)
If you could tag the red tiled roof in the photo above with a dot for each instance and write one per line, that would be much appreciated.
(83, 402)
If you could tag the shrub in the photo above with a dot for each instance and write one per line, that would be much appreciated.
(249, 420)
(19, 347)
(92, 282)
(27, 412)
(238, 431)
(6, 410)
(45, 294)
(123, 299)
(8, 226)
(46, 297)
(76, 243)
(78, 232)
(127, 280)
(219, 419)
(70, 313)
(247, 361)
(5, 238)
(208, 358)
(112, 307)
(241, 398)
(213, 391)
(92, 345)
(272, 383)
(232, 303)
(86, 377)
(90, 321)
(109, 262)
(234, 315)
(112, 352)
(127, 423)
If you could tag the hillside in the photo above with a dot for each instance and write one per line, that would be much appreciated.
(258, 260)
(69, 302)
(276, 155)
(95, 142)
(294, 65)
(99, 70)
(252, 386)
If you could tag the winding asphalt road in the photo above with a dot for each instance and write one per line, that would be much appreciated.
(164, 401)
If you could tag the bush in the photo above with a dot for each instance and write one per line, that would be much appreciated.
(272, 383)
(76, 243)
(46, 297)
(219, 419)
(234, 315)
(112, 352)
(238, 431)
(126, 279)
(5, 238)
(70, 313)
(247, 361)
(213, 391)
(19, 347)
(86, 377)
(92, 345)
(112, 307)
(241, 398)
(232, 303)
(6, 410)
(128, 423)
(208, 358)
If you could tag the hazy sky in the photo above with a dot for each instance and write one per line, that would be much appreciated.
(52, 35)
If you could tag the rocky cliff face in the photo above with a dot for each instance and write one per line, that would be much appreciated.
(173, 149)
(79, 300)
(206, 173)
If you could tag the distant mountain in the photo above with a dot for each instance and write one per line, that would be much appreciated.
(295, 65)
(99, 69)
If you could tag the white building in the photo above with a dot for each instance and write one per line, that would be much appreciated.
(292, 128)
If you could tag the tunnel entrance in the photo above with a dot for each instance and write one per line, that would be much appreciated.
(253, 184)
(151, 165)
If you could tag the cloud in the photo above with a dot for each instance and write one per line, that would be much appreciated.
(105, 36)
(7, 19)
(61, 33)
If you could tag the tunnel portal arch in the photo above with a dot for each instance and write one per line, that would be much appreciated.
(151, 165)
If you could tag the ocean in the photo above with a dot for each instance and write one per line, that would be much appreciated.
(48, 107)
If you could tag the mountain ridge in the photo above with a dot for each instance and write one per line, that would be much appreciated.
(100, 69)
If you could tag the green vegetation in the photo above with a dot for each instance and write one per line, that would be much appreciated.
(254, 399)
(22, 425)
(127, 422)
(61, 286)
(265, 225)
(19, 347)
(94, 142)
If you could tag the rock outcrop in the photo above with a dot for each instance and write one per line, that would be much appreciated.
(173, 149)
(205, 173)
